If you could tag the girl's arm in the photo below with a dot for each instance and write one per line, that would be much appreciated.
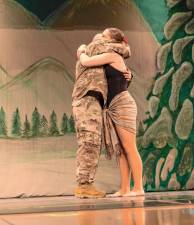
(97, 60)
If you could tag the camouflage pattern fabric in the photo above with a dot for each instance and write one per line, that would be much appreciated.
(88, 123)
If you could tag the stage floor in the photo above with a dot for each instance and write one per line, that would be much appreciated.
(172, 208)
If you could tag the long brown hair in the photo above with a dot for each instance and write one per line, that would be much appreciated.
(116, 34)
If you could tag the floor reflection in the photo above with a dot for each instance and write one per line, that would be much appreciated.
(171, 215)
(135, 216)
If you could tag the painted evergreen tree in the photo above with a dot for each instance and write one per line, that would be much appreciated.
(44, 127)
(64, 124)
(53, 131)
(140, 131)
(35, 123)
(16, 124)
(3, 127)
(26, 128)
(71, 125)
(168, 141)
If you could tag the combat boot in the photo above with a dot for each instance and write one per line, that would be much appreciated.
(88, 191)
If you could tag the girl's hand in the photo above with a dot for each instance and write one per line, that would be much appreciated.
(80, 50)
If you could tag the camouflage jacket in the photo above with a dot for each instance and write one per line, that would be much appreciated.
(93, 78)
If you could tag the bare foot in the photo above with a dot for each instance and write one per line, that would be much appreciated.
(116, 194)
(129, 194)
(120, 193)
(138, 192)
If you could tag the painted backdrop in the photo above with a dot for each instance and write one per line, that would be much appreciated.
(38, 42)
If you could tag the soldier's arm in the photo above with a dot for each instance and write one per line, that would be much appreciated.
(97, 60)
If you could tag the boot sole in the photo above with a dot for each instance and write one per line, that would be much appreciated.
(88, 196)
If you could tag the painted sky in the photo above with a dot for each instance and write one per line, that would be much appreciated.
(154, 12)
(41, 8)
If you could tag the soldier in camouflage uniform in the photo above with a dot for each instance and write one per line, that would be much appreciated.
(87, 112)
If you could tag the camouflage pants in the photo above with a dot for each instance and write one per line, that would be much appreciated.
(88, 124)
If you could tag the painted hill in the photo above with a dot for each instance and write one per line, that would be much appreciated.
(15, 16)
(4, 76)
(85, 14)
(45, 85)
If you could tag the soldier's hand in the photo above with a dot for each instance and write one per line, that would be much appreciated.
(127, 74)
(80, 50)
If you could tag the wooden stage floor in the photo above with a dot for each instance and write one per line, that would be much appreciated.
(172, 208)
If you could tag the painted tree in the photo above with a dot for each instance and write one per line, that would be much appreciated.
(53, 131)
(64, 124)
(26, 128)
(44, 127)
(71, 125)
(168, 141)
(16, 124)
(35, 123)
(3, 127)
(140, 131)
